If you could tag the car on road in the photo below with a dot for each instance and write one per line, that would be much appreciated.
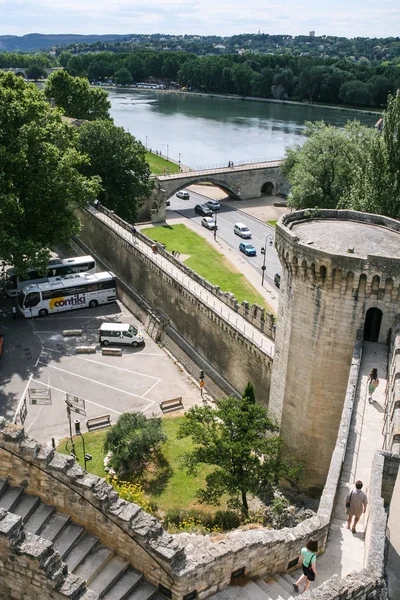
(208, 222)
(213, 204)
(203, 210)
(277, 280)
(242, 231)
(247, 249)
(183, 194)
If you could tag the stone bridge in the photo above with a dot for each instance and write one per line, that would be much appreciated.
(240, 182)
(22, 70)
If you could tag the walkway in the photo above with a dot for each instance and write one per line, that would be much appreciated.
(345, 550)
(236, 321)
(243, 167)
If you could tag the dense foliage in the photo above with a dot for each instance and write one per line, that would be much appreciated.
(40, 179)
(134, 443)
(120, 160)
(354, 167)
(241, 443)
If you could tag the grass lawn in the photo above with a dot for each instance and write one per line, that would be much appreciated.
(172, 487)
(273, 223)
(159, 165)
(206, 261)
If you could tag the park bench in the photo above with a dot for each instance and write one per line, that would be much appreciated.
(173, 404)
(98, 422)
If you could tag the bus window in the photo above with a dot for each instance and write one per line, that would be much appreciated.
(32, 299)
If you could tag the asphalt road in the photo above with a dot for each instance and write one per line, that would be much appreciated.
(227, 216)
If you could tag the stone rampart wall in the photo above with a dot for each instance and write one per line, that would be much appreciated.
(232, 354)
(392, 403)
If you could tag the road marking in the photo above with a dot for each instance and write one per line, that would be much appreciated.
(22, 397)
(118, 368)
(85, 399)
(92, 380)
(149, 390)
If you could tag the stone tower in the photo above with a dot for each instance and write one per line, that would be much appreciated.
(340, 279)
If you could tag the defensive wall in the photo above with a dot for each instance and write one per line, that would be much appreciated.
(340, 274)
(233, 355)
(184, 563)
(392, 406)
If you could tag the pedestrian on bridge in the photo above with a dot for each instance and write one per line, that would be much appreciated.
(373, 382)
(308, 561)
(356, 504)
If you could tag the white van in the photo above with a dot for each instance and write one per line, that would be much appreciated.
(242, 231)
(120, 333)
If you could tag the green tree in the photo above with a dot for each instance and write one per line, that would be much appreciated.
(249, 393)
(240, 442)
(321, 171)
(122, 77)
(356, 93)
(75, 96)
(134, 442)
(40, 182)
(35, 72)
(119, 159)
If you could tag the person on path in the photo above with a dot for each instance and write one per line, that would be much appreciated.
(373, 382)
(308, 561)
(133, 232)
(356, 503)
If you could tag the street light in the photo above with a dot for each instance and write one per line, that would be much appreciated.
(167, 151)
(146, 142)
(269, 239)
(179, 162)
(216, 226)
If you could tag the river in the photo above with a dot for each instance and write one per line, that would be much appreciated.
(205, 131)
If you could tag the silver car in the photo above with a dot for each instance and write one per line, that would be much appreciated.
(208, 222)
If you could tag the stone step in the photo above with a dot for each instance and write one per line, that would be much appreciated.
(273, 591)
(254, 591)
(26, 507)
(68, 538)
(125, 584)
(283, 584)
(279, 586)
(261, 584)
(93, 563)
(108, 575)
(39, 518)
(3, 486)
(10, 498)
(291, 580)
(79, 552)
(237, 592)
(54, 526)
(144, 591)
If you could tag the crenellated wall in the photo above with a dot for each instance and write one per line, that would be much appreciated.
(329, 281)
(392, 401)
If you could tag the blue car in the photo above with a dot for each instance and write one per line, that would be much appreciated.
(247, 249)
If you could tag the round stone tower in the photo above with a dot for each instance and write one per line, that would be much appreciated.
(340, 280)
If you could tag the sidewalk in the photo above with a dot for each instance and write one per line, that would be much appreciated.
(344, 550)
(235, 320)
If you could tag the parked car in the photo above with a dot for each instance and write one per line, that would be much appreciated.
(183, 194)
(213, 204)
(277, 280)
(203, 210)
(247, 249)
(208, 222)
(242, 231)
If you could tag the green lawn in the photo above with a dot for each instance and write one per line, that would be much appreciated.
(159, 165)
(206, 261)
(273, 223)
(171, 487)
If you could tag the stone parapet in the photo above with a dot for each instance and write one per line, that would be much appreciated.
(392, 400)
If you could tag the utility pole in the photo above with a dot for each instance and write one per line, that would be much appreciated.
(270, 240)
(216, 226)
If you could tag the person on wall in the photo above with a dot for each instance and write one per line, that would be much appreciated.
(308, 561)
(356, 503)
(373, 382)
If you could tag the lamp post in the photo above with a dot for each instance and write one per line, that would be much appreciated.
(146, 142)
(179, 162)
(216, 226)
(167, 151)
(269, 239)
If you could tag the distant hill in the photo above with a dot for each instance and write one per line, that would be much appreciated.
(39, 41)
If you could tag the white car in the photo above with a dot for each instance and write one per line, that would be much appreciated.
(183, 194)
(242, 231)
(208, 222)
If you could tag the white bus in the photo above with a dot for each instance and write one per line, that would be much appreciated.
(67, 293)
(57, 267)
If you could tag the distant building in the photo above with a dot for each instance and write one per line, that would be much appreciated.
(312, 34)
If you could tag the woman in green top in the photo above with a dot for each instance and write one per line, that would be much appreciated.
(308, 560)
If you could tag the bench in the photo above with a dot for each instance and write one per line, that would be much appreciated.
(98, 422)
(111, 351)
(173, 404)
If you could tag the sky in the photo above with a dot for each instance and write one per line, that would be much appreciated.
(351, 18)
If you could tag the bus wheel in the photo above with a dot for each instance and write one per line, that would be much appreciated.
(93, 303)
(134, 344)
(43, 312)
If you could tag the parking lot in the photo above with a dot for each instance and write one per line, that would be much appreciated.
(37, 356)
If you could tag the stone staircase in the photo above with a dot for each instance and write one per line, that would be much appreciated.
(109, 576)
(278, 587)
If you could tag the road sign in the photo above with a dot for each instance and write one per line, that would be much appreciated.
(76, 404)
(39, 396)
(202, 384)
(23, 411)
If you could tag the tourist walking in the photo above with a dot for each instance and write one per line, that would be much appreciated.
(373, 382)
(356, 503)
(133, 232)
(308, 561)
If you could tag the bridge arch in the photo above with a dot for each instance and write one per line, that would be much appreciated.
(268, 188)
(231, 190)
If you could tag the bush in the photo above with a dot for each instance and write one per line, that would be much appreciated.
(198, 521)
(226, 519)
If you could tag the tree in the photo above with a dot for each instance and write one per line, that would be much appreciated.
(321, 171)
(120, 160)
(76, 97)
(134, 442)
(249, 393)
(122, 77)
(239, 441)
(40, 182)
(356, 93)
(35, 72)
